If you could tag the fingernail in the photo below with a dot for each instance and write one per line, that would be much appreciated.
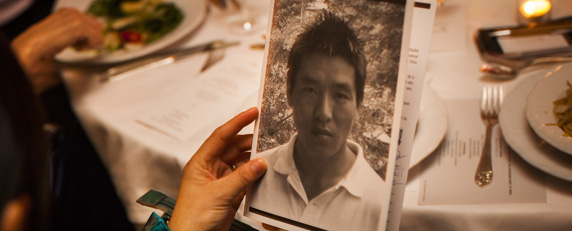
(258, 166)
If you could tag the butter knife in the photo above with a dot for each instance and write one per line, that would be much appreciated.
(160, 59)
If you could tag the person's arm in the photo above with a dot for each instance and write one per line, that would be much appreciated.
(211, 191)
(36, 47)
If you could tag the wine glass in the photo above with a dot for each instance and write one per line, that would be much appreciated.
(242, 22)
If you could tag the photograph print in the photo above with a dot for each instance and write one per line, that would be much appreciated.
(327, 106)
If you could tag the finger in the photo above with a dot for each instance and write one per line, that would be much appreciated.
(243, 176)
(69, 22)
(89, 31)
(237, 200)
(242, 158)
(93, 32)
(218, 140)
(232, 165)
(238, 145)
(93, 22)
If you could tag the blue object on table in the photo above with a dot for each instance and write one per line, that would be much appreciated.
(158, 200)
(155, 223)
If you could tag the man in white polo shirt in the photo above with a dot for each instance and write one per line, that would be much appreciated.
(320, 179)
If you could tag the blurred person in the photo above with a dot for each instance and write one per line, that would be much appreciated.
(24, 176)
(29, 69)
(37, 35)
(77, 203)
(36, 47)
(320, 178)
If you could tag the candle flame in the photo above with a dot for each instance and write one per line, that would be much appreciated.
(535, 8)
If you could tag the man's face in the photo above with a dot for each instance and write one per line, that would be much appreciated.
(324, 103)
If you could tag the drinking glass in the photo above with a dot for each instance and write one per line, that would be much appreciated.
(242, 22)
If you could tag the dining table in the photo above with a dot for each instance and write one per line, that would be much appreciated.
(118, 118)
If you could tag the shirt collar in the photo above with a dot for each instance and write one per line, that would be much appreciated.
(352, 182)
(285, 162)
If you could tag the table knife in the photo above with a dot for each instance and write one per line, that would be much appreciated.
(160, 59)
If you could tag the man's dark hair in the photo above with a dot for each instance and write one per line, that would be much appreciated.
(330, 36)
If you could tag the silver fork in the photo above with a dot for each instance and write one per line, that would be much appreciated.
(491, 101)
(214, 57)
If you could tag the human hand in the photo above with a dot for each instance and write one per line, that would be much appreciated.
(210, 191)
(36, 47)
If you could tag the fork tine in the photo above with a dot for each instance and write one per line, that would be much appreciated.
(213, 57)
(501, 95)
(495, 102)
(490, 100)
(498, 97)
(484, 102)
(207, 63)
(487, 97)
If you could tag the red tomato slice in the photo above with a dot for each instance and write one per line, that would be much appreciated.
(131, 36)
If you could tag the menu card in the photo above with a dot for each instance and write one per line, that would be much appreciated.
(203, 99)
(448, 175)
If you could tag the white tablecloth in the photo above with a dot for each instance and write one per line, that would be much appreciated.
(140, 159)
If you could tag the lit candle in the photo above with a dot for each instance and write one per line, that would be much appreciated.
(535, 8)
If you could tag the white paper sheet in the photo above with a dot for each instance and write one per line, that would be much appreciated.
(193, 106)
(448, 174)
(449, 28)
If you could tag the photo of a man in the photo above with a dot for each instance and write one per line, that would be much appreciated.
(320, 179)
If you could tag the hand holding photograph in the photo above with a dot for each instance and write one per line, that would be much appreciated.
(329, 100)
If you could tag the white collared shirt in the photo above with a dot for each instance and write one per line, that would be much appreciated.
(354, 203)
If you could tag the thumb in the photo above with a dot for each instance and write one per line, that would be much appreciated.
(245, 175)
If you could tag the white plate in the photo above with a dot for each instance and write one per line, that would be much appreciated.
(194, 14)
(539, 107)
(522, 139)
(431, 126)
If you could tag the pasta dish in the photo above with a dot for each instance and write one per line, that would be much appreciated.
(563, 111)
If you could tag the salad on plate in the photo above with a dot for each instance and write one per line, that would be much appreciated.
(130, 24)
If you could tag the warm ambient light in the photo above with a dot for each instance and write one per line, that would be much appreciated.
(535, 8)
(247, 25)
